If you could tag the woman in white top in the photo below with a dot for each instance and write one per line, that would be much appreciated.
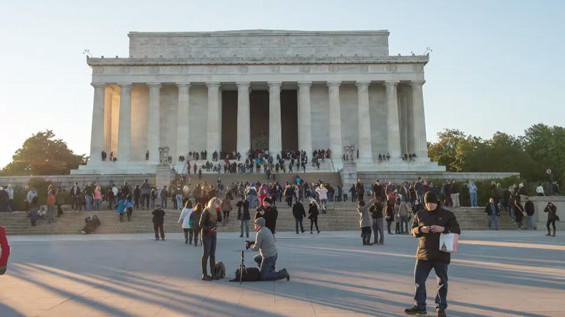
(185, 220)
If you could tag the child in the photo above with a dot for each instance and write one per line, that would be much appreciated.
(364, 221)
(121, 207)
(129, 206)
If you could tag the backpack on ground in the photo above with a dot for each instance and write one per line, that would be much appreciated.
(250, 274)
(220, 270)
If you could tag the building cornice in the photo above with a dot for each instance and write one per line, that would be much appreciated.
(103, 61)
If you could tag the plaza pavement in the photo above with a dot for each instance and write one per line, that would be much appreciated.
(503, 273)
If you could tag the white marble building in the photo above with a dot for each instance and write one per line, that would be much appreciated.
(236, 90)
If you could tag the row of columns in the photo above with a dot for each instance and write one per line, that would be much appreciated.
(243, 119)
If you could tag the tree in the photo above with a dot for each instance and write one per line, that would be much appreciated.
(42, 154)
(547, 146)
(452, 149)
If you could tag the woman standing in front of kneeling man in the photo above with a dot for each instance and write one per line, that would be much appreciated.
(208, 225)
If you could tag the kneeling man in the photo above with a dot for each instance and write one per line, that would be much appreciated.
(267, 257)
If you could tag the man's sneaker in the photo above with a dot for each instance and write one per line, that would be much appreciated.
(415, 310)
(207, 278)
(286, 275)
(441, 313)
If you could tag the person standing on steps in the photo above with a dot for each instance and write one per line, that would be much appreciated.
(243, 216)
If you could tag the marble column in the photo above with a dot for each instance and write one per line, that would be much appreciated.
(335, 120)
(275, 133)
(304, 118)
(97, 132)
(364, 122)
(419, 121)
(213, 126)
(183, 136)
(392, 119)
(153, 122)
(243, 119)
(108, 121)
(124, 130)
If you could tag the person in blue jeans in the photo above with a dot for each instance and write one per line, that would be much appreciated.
(473, 193)
(428, 226)
(267, 257)
(492, 210)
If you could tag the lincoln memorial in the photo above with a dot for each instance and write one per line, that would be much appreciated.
(259, 89)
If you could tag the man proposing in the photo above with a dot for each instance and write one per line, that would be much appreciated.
(267, 257)
(428, 225)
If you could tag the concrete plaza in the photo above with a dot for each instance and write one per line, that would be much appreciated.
(503, 273)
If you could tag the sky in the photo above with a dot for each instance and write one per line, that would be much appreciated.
(494, 65)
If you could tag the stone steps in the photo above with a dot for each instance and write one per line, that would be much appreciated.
(340, 216)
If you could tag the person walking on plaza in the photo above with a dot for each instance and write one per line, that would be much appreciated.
(313, 215)
(473, 193)
(378, 224)
(518, 212)
(270, 213)
(51, 200)
(158, 221)
(267, 257)
(208, 226)
(4, 251)
(530, 209)
(364, 221)
(184, 220)
(428, 225)
(195, 224)
(404, 213)
(299, 213)
(551, 210)
(243, 216)
(492, 210)
(390, 215)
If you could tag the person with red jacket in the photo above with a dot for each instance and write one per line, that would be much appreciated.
(5, 252)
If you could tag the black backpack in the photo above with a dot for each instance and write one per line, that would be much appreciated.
(250, 274)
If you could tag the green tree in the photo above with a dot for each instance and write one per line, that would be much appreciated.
(452, 148)
(547, 146)
(42, 154)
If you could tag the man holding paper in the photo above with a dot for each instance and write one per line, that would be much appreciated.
(428, 226)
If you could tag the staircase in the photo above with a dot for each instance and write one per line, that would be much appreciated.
(341, 216)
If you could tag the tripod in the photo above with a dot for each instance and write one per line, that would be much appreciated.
(241, 266)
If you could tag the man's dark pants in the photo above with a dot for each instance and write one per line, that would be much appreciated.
(421, 272)
(158, 227)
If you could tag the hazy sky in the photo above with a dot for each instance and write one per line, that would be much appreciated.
(496, 65)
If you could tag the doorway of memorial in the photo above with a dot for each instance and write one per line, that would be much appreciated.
(259, 119)
(229, 121)
(289, 120)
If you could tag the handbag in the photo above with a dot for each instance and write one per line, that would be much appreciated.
(448, 242)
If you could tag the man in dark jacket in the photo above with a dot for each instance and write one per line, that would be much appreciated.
(158, 220)
(359, 189)
(530, 210)
(299, 213)
(427, 227)
(492, 210)
(270, 214)
(243, 215)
